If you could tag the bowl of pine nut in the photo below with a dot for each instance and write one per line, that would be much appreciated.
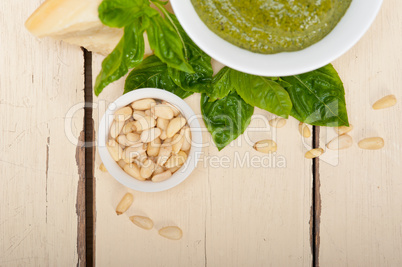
(149, 140)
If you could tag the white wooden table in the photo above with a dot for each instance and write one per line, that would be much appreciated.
(346, 210)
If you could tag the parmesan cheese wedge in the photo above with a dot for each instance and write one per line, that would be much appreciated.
(76, 22)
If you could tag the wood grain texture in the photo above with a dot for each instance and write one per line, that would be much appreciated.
(39, 81)
(361, 221)
(231, 215)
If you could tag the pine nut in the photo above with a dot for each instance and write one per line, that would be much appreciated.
(171, 232)
(372, 143)
(162, 123)
(163, 111)
(304, 130)
(314, 153)
(144, 123)
(158, 170)
(164, 155)
(163, 135)
(133, 170)
(143, 104)
(161, 176)
(153, 147)
(341, 142)
(177, 142)
(174, 169)
(129, 127)
(176, 111)
(133, 138)
(124, 203)
(116, 128)
(123, 114)
(343, 129)
(114, 149)
(150, 135)
(176, 160)
(121, 163)
(277, 122)
(187, 139)
(138, 114)
(122, 140)
(149, 113)
(174, 126)
(102, 168)
(132, 152)
(265, 146)
(142, 222)
(147, 169)
(385, 102)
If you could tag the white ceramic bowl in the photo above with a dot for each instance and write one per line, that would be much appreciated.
(115, 170)
(349, 30)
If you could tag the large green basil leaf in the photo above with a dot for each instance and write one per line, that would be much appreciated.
(152, 72)
(221, 85)
(318, 97)
(262, 92)
(119, 13)
(167, 42)
(226, 118)
(200, 80)
(126, 55)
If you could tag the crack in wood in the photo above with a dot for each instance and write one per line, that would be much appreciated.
(315, 213)
(80, 204)
(90, 198)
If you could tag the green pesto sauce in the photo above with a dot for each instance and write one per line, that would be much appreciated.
(271, 26)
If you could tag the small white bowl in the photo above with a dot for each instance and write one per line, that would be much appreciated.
(118, 173)
(349, 30)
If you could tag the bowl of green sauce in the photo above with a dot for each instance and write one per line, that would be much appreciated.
(275, 37)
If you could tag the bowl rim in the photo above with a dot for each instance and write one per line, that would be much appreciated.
(117, 172)
(354, 24)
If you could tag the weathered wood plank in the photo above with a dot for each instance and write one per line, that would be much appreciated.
(230, 215)
(40, 80)
(361, 195)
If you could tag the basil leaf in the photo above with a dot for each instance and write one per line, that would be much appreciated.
(318, 97)
(262, 92)
(221, 85)
(200, 80)
(152, 72)
(226, 118)
(167, 42)
(119, 13)
(126, 55)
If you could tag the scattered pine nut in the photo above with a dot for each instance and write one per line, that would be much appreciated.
(265, 146)
(372, 143)
(102, 167)
(385, 102)
(304, 130)
(124, 203)
(343, 129)
(277, 122)
(314, 153)
(340, 142)
(142, 222)
(171, 232)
